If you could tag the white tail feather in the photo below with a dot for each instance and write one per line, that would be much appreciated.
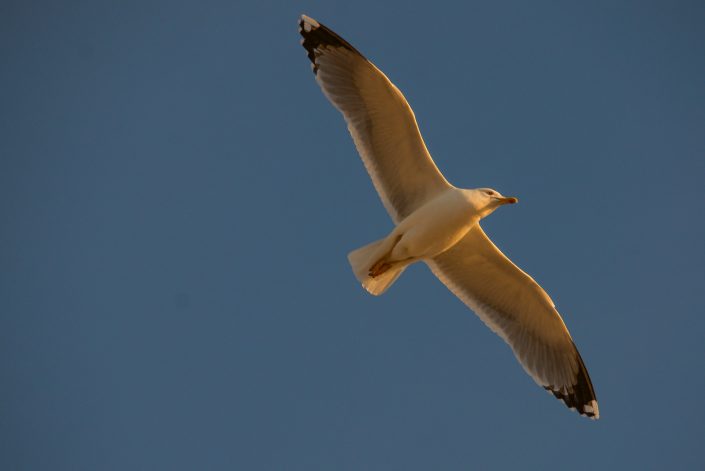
(362, 259)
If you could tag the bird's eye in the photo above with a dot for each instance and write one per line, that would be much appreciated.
(489, 193)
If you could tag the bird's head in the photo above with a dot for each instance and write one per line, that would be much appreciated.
(486, 200)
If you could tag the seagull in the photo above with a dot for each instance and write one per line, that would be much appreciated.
(439, 224)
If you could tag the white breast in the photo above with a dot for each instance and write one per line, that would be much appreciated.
(435, 227)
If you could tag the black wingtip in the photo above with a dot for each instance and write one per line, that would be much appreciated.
(317, 37)
(581, 396)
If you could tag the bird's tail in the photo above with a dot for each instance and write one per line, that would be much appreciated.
(361, 261)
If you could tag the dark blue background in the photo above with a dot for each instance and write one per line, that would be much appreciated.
(177, 200)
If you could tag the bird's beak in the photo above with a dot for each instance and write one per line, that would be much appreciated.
(507, 200)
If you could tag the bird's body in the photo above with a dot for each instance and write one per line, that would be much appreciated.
(436, 226)
(439, 224)
(433, 228)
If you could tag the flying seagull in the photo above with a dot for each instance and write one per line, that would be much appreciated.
(439, 224)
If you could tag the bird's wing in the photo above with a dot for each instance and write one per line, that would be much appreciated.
(379, 119)
(517, 309)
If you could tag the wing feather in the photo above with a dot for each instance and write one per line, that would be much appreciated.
(517, 309)
(379, 119)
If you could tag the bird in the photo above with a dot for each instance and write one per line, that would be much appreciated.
(439, 224)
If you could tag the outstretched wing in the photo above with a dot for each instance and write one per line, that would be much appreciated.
(517, 309)
(379, 119)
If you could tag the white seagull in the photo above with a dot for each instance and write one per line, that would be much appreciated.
(438, 224)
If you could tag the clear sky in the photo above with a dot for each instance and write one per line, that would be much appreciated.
(177, 199)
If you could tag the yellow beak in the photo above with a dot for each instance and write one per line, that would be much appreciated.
(508, 200)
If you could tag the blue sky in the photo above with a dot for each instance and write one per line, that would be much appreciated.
(177, 199)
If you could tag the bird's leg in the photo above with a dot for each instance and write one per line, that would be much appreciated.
(379, 268)
(383, 264)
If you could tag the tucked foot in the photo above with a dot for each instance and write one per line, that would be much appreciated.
(379, 268)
